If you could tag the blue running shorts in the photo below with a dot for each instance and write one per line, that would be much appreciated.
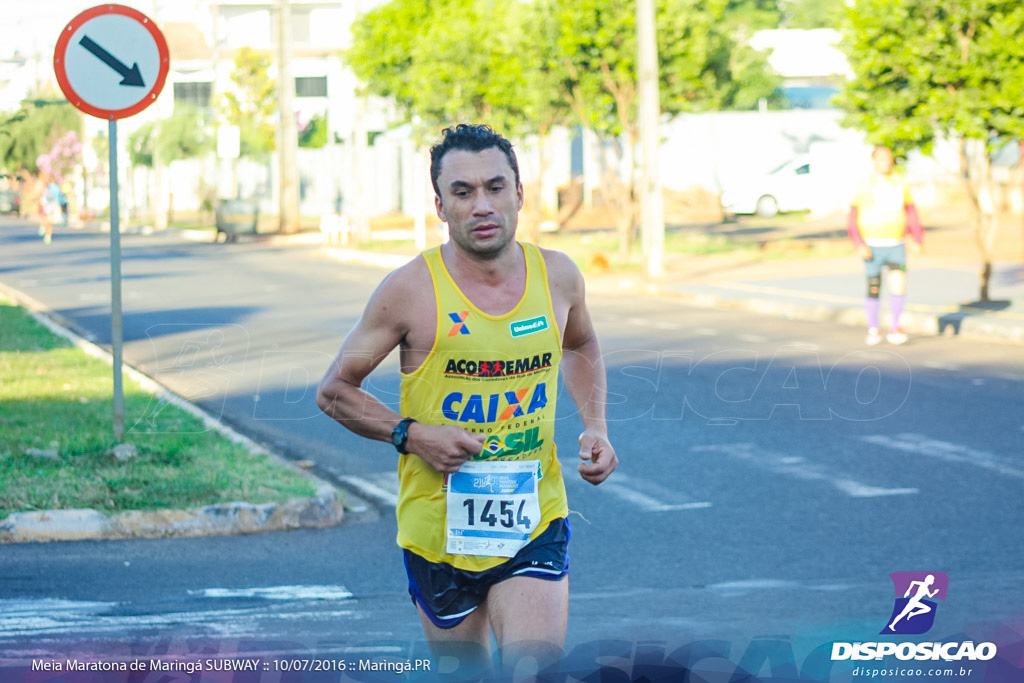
(448, 595)
(893, 257)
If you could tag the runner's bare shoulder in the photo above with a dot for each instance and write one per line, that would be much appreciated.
(405, 298)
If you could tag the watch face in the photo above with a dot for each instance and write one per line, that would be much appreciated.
(398, 435)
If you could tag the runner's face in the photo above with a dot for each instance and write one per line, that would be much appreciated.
(480, 200)
(883, 160)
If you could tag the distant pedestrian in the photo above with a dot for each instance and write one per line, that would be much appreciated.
(882, 214)
(62, 198)
(39, 197)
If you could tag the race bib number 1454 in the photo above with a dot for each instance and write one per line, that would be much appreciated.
(493, 507)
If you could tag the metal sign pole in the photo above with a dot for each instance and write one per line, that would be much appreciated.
(114, 36)
(116, 329)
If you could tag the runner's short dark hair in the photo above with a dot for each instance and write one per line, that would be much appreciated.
(469, 137)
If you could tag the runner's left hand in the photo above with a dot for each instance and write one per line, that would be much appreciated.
(598, 456)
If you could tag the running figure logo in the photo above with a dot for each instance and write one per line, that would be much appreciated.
(914, 611)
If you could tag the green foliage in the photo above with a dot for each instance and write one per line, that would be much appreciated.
(519, 65)
(57, 439)
(181, 136)
(31, 131)
(924, 68)
(528, 65)
(744, 17)
(446, 61)
(702, 57)
(252, 105)
(813, 13)
(314, 133)
(141, 145)
(381, 54)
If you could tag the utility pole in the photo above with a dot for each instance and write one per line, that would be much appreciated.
(288, 134)
(652, 218)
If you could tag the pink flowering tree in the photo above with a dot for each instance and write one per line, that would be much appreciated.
(64, 156)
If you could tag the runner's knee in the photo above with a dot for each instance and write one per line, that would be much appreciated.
(874, 286)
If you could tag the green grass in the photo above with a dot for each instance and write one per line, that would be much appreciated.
(57, 438)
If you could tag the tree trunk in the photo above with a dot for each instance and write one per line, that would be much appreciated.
(977, 167)
(535, 206)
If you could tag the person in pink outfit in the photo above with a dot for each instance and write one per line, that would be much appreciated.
(882, 215)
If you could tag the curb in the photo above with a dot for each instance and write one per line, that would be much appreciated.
(211, 520)
(323, 510)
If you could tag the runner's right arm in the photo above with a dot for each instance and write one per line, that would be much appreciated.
(381, 328)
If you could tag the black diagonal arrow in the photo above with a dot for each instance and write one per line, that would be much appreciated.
(130, 76)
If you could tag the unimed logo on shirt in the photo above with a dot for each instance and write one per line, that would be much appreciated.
(521, 328)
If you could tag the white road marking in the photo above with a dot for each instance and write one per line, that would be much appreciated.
(801, 468)
(946, 451)
(381, 487)
(32, 618)
(278, 593)
(939, 365)
(648, 496)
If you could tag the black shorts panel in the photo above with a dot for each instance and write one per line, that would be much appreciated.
(447, 595)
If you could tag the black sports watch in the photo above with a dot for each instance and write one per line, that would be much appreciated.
(400, 435)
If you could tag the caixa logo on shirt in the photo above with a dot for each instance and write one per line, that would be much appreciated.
(497, 407)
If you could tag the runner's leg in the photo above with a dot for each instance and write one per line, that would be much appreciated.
(529, 617)
(897, 296)
(468, 644)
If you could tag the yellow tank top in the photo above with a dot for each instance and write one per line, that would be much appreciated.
(881, 215)
(492, 375)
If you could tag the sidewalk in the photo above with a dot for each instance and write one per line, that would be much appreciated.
(942, 291)
(941, 296)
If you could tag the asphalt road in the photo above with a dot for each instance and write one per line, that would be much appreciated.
(774, 473)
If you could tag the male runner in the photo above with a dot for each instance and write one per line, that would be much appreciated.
(483, 324)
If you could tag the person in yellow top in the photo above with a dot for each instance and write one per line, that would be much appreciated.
(882, 214)
(483, 323)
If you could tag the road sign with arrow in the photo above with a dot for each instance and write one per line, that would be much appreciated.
(111, 61)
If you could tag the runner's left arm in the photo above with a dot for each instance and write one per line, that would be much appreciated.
(585, 377)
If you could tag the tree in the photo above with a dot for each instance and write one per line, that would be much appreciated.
(416, 54)
(181, 136)
(813, 13)
(313, 134)
(525, 67)
(925, 69)
(63, 158)
(702, 65)
(252, 104)
(155, 144)
(30, 133)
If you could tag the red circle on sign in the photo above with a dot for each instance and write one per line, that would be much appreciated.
(60, 69)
